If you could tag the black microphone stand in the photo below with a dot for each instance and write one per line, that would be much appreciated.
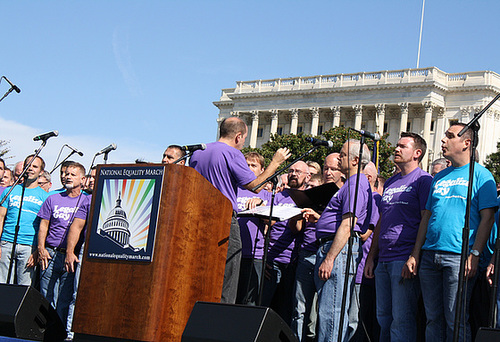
(461, 294)
(62, 161)
(268, 231)
(189, 154)
(7, 93)
(350, 242)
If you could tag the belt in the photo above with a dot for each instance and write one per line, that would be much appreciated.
(58, 249)
(325, 239)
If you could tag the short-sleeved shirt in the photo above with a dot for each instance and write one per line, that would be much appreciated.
(447, 202)
(251, 228)
(60, 210)
(29, 222)
(343, 203)
(282, 242)
(365, 247)
(225, 167)
(403, 200)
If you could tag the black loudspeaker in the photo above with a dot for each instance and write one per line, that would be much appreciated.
(239, 323)
(488, 335)
(25, 313)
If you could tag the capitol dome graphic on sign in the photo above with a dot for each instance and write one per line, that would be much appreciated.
(116, 226)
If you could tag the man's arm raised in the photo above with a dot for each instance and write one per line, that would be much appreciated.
(279, 157)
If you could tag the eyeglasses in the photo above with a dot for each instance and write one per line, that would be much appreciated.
(297, 172)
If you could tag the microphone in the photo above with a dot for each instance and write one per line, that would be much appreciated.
(45, 136)
(192, 148)
(12, 85)
(317, 142)
(366, 134)
(74, 150)
(107, 149)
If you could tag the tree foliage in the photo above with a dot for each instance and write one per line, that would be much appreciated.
(492, 163)
(338, 136)
(4, 149)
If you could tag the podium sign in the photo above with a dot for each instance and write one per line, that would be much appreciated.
(124, 220)
(172, 215)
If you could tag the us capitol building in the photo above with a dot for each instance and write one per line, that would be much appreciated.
(423, 100)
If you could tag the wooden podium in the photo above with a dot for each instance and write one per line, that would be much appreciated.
(152, 301)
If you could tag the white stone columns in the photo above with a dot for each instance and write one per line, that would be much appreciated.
(274, 121)
(255, 126)
(465, 111)
(295, 121)
(404, 116)
(315, 121)
(439, 129)
(336, 116)
(358, 116)
(380, 118)
(428, 107)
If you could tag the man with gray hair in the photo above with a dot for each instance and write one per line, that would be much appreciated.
(45, 181)
(439, 165)
(333, 230)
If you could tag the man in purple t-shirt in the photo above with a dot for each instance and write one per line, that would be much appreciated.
(403, 202)
(333, 231)
(252, 238)
(57, 214)
(283, 248)
(223, 165)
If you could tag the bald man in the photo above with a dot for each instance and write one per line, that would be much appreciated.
(331, 170)
(212, 163)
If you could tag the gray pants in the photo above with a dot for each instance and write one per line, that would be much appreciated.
(233, 259)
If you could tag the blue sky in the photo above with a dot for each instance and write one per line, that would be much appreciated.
(144, 74)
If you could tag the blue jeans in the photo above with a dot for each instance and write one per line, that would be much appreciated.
(397, 302)
(330, 292)
(439, 282)
(21, 255)
(57, 285)
(71, 309)
(304, 293)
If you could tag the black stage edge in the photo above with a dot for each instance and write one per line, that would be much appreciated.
(211, 322)
(488, 335)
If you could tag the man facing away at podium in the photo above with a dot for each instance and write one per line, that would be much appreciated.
(223, 165)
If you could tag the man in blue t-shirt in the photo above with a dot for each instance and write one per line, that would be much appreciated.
(439, 239)
(223, 165)
(34, 196)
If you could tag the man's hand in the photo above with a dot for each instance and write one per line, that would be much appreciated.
(281, 155)
(32, 259)
(70, 262)
(369, 270)
(471, 266)
(310, 215)
(253, 203)
(490, 271)
(325, 269)
(43, 258)
(410, 268)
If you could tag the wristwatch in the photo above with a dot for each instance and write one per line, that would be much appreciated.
(475, 252)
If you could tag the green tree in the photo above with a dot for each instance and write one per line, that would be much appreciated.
(4, 149)
(338, 135)
(493, 163)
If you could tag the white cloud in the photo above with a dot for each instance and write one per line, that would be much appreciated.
(124, 61)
